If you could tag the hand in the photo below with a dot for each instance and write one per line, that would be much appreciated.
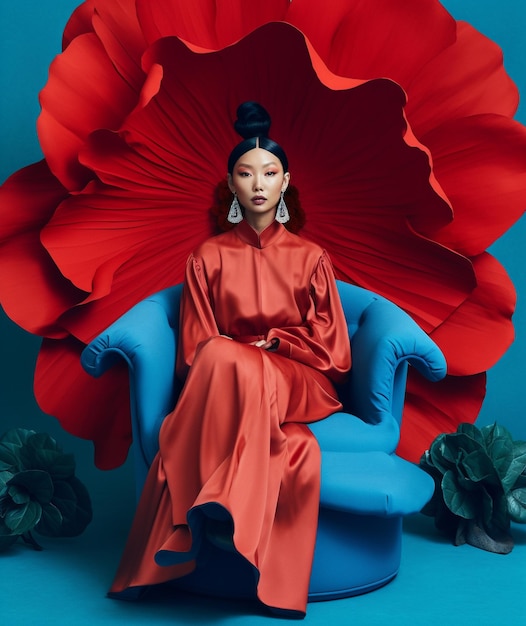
(266, 345)
(262, 344)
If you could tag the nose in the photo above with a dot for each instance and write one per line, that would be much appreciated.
(258, 182)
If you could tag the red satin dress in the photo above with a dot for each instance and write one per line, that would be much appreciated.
(236, 443)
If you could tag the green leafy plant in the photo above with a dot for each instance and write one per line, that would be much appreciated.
(39, 490)
(480, 485)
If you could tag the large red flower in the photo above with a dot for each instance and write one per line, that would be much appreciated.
(402, 145)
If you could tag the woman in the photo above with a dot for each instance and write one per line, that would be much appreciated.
(262, 340)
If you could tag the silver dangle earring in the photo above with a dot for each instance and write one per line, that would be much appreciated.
(282, 213)
(234, 215)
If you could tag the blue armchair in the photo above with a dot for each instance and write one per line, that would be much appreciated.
(366, 489)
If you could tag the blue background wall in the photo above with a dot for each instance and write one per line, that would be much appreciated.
(438, 583)
(30, 36)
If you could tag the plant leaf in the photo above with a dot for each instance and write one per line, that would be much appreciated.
(5, 477)
(498, 514)
(501, 452)
(516, 501)
(11, 443)
(471, 431)
(459, 501)
(445, 450)
(28, 539)
(18, 495)
(65, 499)
(16, 436)
(50, 523)
(83, 511)
(42, 452)
(478, 467)
(521, 481)
(73, 501)
(494, 431)
(438, 454)
(24, 517)
(4, 466)
(487, 508)
(36, 483)
(8, 457)
(517, 466)
(451, 449)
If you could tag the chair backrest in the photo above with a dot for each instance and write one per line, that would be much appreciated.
(354, 301)
(170, 300)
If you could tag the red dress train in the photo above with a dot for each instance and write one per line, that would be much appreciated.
(236, 443)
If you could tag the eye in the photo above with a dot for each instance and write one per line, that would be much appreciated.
(244, 174)
(271, 173)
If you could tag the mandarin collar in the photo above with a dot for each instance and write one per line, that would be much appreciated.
(259, 240)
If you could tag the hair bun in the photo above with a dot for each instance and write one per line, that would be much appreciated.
(252, 120)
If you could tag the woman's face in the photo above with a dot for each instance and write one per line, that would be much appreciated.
(258, 180)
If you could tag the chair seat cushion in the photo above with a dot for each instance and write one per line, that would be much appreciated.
(344, 432)
(373, 483)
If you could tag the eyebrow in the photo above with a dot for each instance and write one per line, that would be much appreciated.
(250, 167)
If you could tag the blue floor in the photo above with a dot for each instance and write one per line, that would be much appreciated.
(438, 584)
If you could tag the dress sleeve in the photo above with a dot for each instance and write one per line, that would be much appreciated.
(322, 342)
(197, 321)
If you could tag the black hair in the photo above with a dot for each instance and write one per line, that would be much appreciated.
(253, 124)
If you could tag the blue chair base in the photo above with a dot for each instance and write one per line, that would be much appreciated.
(341, 568)
(354, 554)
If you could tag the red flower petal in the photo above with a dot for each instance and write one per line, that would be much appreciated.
(81, 22)
(466, 79)
(480, 331)
(207, 23)
(34, 292)
(435, 408)
(481, 164)
(119, 31)
(95, 409)
(75, 103)
(116, 249)
(106, 41)
(133, 281)
(374, 38)
(425, 279)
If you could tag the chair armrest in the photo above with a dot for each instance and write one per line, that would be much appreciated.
(386, 341)
(137, 331)
(146, 338)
